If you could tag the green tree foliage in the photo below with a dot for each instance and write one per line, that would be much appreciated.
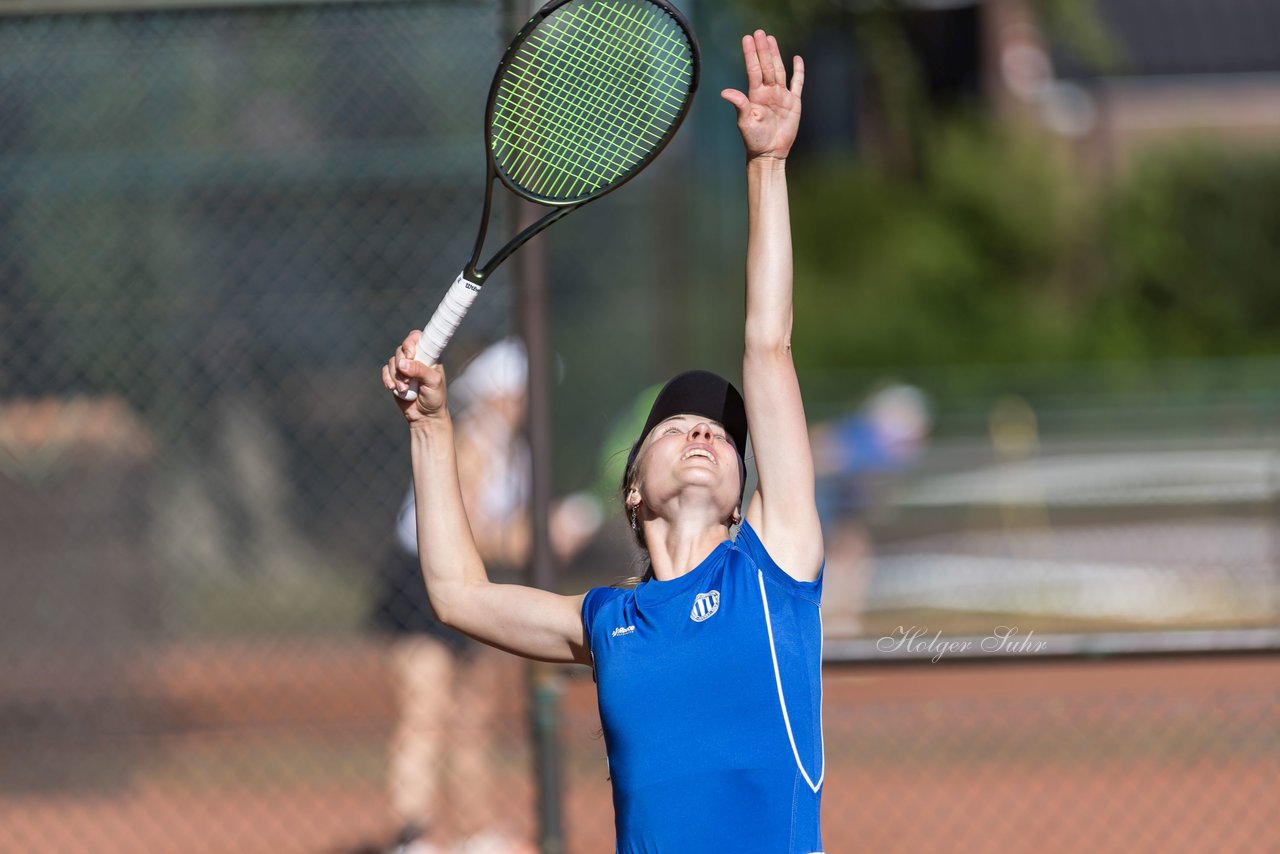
(963, 266)
(1193, 250)
(1000, 256)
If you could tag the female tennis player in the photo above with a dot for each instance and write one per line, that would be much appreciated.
(708, 669)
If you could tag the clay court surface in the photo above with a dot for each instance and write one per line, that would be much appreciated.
(279, 747)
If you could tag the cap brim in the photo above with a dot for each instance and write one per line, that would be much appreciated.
(702, 393)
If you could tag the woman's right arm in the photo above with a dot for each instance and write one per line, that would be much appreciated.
(522, 620)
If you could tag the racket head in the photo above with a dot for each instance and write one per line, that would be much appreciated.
(588, 93)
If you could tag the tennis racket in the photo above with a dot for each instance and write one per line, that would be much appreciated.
(588, 93)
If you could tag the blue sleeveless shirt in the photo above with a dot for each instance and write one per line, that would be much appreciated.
(710, 691)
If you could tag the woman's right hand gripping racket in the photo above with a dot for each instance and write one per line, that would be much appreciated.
(587, 94)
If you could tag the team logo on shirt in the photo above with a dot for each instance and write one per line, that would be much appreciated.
(705, 605)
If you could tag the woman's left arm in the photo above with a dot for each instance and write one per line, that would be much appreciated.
(783, 510)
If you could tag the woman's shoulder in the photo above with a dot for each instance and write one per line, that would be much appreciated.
(598, 599)
(748, 542)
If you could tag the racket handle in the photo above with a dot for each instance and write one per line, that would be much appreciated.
(435, 337)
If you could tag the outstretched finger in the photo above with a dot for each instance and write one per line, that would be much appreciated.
(767, 70)
(775, 58)
(753, 62)
(733, 96)
(797, 76)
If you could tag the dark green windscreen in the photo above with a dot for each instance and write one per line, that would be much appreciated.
(591, 93)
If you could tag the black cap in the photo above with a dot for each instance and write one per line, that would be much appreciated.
(701, 393)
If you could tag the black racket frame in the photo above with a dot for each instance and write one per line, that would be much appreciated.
(477, 274)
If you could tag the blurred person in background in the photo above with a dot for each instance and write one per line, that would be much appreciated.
(447, 685)
(855, 456)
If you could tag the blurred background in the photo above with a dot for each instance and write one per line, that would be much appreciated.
(1037, 289)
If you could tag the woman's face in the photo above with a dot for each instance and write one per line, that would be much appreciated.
(688, 453)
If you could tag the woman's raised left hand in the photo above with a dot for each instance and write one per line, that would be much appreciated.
(769, 112)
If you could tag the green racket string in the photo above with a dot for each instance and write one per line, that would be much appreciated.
(588, 96)
(585, 84)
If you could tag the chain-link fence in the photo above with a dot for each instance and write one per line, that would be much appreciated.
(214, 224)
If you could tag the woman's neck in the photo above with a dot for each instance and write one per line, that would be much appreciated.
(677, 546)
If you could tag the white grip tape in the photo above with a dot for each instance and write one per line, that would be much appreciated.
(461, 294)
(444, 322)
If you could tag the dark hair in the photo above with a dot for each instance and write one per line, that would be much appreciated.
(637, 531)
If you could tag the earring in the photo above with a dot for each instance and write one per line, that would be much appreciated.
(735, 518)
(634, 526)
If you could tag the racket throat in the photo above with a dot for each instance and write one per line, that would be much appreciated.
(523, 237)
